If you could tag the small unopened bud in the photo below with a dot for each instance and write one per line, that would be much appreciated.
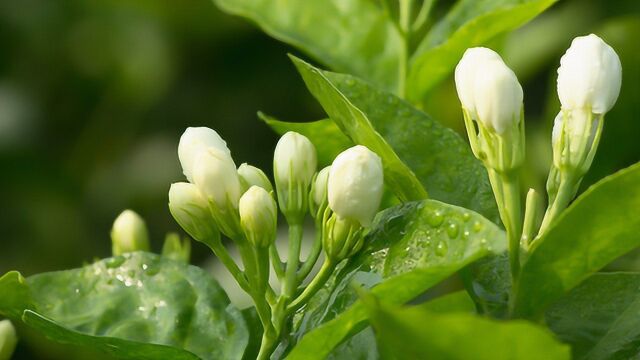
(355, 184)
(342, 238)
(8, 339)
(489, 90)
(258, 216)
(176, 249)
(191, 210)
(194, 140)
(294, 164)
(129, 233)
(589, 76)
(251, 175)
(318, 194)
(215, 174)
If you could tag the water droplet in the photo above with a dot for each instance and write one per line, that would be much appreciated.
(483, 241)
(77, 291)
(441, 249)
(466, 216)
(152, 270)
(435, 219)
(465, 234)
(452, 230)
(477, 226)
(115, 262)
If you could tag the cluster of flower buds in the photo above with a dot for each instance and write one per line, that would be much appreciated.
(241, 204)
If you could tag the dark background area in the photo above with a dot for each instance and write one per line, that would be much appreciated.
(94, 96)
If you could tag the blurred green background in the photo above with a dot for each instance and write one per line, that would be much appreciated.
(95, 94)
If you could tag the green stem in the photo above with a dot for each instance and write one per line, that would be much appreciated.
(316, 284)
(293, 259)
(267, 346)
(513, 222)
(223, 255)
(405, 30)
(562, 199)
(531, 217)
(276, 262)
(314, 254)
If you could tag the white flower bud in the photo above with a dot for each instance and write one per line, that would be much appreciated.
(251, 175)
(294, 164)
(355, 184)
(8, 339)
(191, 210)
(129, 233)
(194, 140)
(466, 71)
(488, 89)
(320, 186)
(258, 216)
(589, 76)
(215, 174)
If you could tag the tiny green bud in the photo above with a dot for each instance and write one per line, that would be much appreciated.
(294, 164)
(191, 210)
(258, 216)
(129, 233)
(8, 339)
(176, 249)
(342, 238)
(318, 193)
(251, 175)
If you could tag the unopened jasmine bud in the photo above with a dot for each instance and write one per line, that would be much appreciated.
(589, 76)
(489, 90)
(192, 142)
(251, 175)
(318, 194)
(191, 210)
(342, 238)
(215, 175)
(176, 249)
(129, 233)
(294, 164)
(258, 216)
(355, 184)
(8, 339)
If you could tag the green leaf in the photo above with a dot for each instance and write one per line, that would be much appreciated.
(135, 306)
(410, 248)
(353, 36)
(488, 281)
(324, 134)
(470, 23)
(600, 318)
(601, 225)
(428, 153)
(418, 333)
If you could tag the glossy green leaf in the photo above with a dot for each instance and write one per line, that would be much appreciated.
(136, 306)
(427, 152)
(601, 225)
(411, 248)
(417, 333)
(353, 36)
(600, 318)
(324, 134)
(470, 23)
(488, 281)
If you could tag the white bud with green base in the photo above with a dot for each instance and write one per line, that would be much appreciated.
(191, 210)
(129, 233)
(215, 175)
(8, 339)
(354, 190)
(589, 81)
(294, 164)
(251, 175)
(258, 216)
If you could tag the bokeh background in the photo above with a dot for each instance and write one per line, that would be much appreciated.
(95, 94)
